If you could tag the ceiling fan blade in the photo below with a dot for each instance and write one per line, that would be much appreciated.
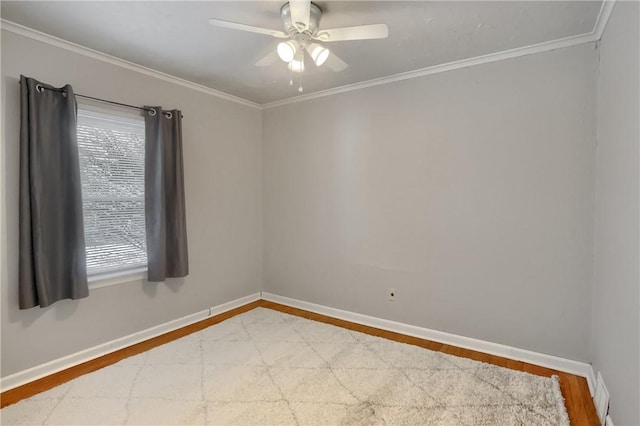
(267, 60)
(300, 12)
(360, 32)
(250, 28)
(335, 63)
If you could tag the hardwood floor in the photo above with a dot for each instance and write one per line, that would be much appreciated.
(574, 388)
(25, 391)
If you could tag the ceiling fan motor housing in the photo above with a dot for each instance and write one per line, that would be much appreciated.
(291, 29)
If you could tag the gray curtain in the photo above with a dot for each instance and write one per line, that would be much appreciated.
(164, 195)
(52, 255)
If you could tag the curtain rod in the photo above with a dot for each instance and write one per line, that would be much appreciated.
(115, 103)
(39, 86)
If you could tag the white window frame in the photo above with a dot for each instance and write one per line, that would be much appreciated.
(118, 277)
(125, 274)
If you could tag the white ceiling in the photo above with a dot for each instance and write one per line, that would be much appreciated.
(175, 37)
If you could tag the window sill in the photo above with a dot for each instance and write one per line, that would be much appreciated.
(117, 277)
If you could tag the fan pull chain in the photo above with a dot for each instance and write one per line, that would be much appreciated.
(290, 77)
(300, 89)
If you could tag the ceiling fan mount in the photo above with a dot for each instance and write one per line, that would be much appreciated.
(293, 28)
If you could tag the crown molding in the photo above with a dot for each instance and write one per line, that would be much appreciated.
(603, 18)
(450, 66)
(104, 57)
(593, 36)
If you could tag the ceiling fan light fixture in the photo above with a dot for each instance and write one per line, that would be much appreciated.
(302, 36)
(287, 50)
(318, 53)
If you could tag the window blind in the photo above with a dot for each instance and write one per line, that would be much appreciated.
(111, 150)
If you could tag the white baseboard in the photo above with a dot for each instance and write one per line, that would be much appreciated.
(591, 380)
(578, 368)
(22, 377)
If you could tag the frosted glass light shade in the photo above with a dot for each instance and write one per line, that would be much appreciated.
(297, 64)
(287, 50)
(318, 53)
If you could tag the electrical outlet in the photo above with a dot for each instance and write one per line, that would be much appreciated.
(392, 294)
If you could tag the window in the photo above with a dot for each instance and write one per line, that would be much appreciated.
(111, 149)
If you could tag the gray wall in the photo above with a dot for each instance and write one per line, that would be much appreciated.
(616, 295)
(470, 192)
(222, 154)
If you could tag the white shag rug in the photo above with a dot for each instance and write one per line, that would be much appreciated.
(264, 367)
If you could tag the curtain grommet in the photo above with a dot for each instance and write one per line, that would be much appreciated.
(39, 88)
(168, 115)
(152, 112)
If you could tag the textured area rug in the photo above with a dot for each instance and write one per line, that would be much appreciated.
(265, 367)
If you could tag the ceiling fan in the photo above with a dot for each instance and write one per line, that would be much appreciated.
(301, 22)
